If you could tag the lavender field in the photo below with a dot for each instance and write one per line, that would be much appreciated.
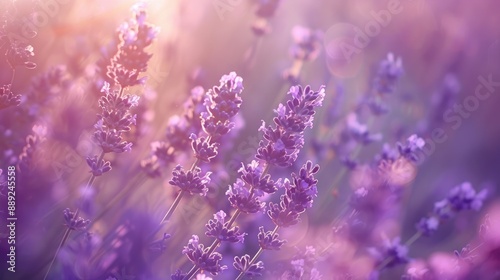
(249, 139)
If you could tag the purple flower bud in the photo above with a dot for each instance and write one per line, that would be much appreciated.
(111, 140)
(464, 197)
(239, 197)
(250, 270)
(218, 228)
(190, 181)
(282, 144)
(252, 175)
(223, 102)
(297, 198)
(131, 58)
(98, 168)
(74, 223)
(203, 149)
(269, 240)
(199, 255)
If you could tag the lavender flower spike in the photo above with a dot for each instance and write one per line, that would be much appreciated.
(299, 196)
(223, 102)
(282, 144)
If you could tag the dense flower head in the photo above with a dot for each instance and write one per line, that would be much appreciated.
(252, 175)
(250, 270)
(281, 145)
(131, 58)
(116, 109)
(223, 102)
(190, 181)
(269, 240)
(298, 114)
(203, 148)
(114, 119)
(299, 195)
(8, 98)
(219, 228)
(460, 198)
(200, 256)
(307, 43)
(240, 198)
(279, 148)
(110, 141)
(74, 223)
(389, 73)
(98, 166)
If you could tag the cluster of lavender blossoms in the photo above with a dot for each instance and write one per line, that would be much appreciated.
(280, 148)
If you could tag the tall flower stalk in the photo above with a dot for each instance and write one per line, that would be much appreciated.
(222, 103)
(115, 118)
